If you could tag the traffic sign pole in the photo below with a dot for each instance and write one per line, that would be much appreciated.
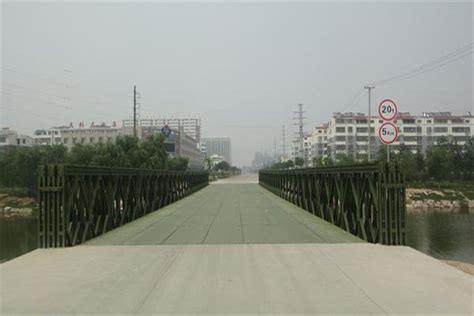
(388, 131)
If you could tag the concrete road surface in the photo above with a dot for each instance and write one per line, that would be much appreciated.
(325, 279)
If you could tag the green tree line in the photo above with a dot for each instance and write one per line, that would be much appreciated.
(443, 161)
(19, 165)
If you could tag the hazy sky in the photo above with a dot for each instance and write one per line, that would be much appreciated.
(241, 67)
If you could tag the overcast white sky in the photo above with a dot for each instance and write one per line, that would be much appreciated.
(241, 67)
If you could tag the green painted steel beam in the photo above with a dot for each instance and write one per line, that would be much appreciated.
(78, 203)
(367, 200)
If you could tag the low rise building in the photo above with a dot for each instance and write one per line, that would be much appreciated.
(11, 138)
(93, 134)
(70, 135)
(49, 136)
(191, 125)
(178, 144)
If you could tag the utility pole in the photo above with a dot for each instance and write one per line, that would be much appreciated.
(274, 148)
(135, 111)
(369, 89)
(136, 106)
(283, 141)
(299, 122)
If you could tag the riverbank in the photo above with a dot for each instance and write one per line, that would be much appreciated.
(11, 205)
(444, 196)
(463, 266)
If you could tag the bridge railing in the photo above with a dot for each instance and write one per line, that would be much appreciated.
(367, 200)
(77, 203)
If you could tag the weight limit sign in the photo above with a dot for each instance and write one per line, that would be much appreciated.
(388, 110)
(388, 133)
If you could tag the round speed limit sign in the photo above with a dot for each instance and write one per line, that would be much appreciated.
(388, 110)
(388, 133)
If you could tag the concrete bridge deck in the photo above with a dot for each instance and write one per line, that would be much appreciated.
(233, 211)
(232, 248)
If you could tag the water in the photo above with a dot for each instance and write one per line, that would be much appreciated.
(441, 235)
(17, 236)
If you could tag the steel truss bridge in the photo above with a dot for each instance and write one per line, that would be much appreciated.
(131, 241)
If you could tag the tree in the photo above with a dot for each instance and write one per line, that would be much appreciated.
(82, 154)
(343, 159)
(420, 166)
(289, 164)
(468, 160)
(9, 168)
(208, 163)
(318, 161)
(439, 160)
(322, 161)
(178, 164)
(152, 154)
(299, 161)
(222, 166)
(406, 161)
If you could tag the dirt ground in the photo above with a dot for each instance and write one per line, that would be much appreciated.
(463, 266)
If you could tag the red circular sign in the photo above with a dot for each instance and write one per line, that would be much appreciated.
(388, 133)
(388, 110)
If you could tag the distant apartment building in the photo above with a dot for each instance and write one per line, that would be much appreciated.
(70, 135)
(220, 146)
(11, 138)
(348, 133)
(314, 145)
(191, 125)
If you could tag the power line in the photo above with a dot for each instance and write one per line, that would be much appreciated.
(283, 141)
(28, 112)
(439, 62)
(49, 102)
(438, 66)
(354, 101)
(30, 75)
(432, 65)
(79, 99)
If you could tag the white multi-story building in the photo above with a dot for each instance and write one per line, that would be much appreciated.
(314, 145)
(70, 135)
(347, 134)
(10, 138)
(49, 136)
(191, 125)
(94, 134)
(220, 146)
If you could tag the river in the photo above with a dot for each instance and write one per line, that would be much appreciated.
(442, 235)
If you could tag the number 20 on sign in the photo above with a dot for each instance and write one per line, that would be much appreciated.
(388, 110)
